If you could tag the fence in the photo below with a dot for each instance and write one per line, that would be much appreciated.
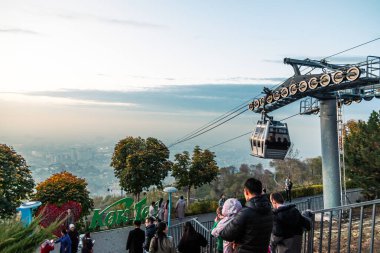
(350, 228)
(176, 232)
(316, 203)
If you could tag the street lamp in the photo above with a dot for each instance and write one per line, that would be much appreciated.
(170, 190)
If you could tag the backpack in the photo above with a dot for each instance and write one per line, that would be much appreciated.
(307, 220)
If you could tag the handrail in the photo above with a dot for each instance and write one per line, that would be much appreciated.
(371, 202)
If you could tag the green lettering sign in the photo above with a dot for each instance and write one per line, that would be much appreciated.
(117, 217)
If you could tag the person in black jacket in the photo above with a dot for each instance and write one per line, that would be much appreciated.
(191, 241)
(150, 231)
(74, 237)
(251, 228)
(136, 239)
(288, 226)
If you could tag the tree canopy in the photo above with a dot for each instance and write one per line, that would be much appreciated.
(16, 182)
(63, 187)
(362, 153)
(140, 163)
(196, 171)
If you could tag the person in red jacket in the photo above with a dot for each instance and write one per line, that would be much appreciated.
(47, 246)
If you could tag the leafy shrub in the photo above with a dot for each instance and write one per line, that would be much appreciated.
(51, 212)
(202, 206)
(63, 187)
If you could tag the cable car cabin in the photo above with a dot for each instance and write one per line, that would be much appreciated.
(270, 139)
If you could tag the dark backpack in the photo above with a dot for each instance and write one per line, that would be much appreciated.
(307, 220)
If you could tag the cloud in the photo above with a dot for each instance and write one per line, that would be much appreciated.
(255, 80)
(18, 31)
(117, 21)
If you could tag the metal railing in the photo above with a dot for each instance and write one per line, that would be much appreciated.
(176, 231)
(316, 203)
(350, 228)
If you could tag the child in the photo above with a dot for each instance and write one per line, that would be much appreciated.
(47, 246)
(219, 240)
(230, 208)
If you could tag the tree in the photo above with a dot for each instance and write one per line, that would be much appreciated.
(314, 166)
(139, 164)
(63, 187)
(290, 166)
(362, 154)
(16, 182)
(196, 171)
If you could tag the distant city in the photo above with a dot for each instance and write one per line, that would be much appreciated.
(92, 162)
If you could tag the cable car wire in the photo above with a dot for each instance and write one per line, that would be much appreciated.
(203, 129)
(237, 137)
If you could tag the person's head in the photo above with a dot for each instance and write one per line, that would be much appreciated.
(181, 197)
(87, 235)
(219, 215)
(137, 223)
(276, 199)
(63, 232)
(222, 196)
(162, 228)
(189, 230)
(69, 211)
(153, 203)
(149, 221)
(252, 188)
(72, 227)
(231, 207)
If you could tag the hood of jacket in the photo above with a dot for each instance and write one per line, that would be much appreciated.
(260, 204)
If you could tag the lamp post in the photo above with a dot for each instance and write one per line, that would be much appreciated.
(170, 190)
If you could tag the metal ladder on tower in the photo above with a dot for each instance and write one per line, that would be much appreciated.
(342, 166)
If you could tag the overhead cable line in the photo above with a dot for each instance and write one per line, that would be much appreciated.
(207, 130)
(209, 126)
(237, 137)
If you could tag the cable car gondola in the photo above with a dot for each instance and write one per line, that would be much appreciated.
(270, 139)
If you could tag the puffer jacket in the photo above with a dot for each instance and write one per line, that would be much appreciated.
(287, 230)
(252, 226)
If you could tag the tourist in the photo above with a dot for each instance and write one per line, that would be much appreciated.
(150, 231)
(161, 243)
(288, 189)
(222, 200)
(191, 241)
(166, 210)
(70, 219)
(230, 208)
(47, 246)
(180, 208)
(74, 237)
(65, 242)
(252, 226)
(219, 240)
(288, 226)
(152, 210)
(136, 239)
(87, 243)
(160, 213)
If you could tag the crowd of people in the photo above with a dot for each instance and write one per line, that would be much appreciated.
(265, 224)
(69, 240)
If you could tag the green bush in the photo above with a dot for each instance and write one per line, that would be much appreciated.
(202, 206)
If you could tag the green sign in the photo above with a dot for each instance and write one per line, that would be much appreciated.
(117, 217)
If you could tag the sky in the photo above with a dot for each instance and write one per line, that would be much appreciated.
(81, 71)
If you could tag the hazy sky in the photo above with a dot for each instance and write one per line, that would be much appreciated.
(73, 70)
